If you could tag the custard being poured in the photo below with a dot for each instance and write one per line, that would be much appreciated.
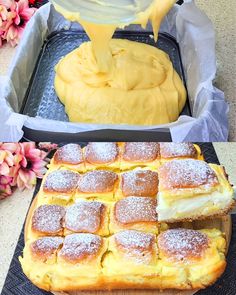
(114, 81)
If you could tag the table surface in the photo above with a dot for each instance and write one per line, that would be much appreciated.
(13, 210)
(223, 15)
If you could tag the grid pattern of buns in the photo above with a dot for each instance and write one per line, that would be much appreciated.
(122, 156)
(91, 232)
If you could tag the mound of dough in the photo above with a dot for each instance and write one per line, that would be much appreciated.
(141, 87)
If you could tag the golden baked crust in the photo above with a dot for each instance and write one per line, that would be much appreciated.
(80, 247)
(186, 259)
(139, 154)
(46, 248)
(61, 181)
(138, 182)
(189, 173)
(117, 243)
(193, 258)
(139, 247)
(81, 217)
(69, 156)
(87, 217)
(101, 154)
(182, 245)
(97, 183)
(170, 150)
(192, 189)
(58, 186)
(65, 264)
(48, 220)
(137, 213)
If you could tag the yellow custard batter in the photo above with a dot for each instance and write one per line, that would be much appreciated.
(119, 81)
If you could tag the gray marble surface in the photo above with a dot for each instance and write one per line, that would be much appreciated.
(223, 15)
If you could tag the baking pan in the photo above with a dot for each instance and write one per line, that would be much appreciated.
(42, 101)
(17, 283)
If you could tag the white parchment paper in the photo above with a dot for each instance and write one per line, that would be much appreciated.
(195, 35)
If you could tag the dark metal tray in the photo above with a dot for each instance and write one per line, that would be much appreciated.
(41, 99)
(18, 284)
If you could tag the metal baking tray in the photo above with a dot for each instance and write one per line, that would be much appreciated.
(41, 99)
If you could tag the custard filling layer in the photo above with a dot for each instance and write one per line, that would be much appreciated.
(198, 206)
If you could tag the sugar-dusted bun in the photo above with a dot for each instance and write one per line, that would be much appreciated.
(140, 151)
(101, 152)
(61, 181)
(192, 189)
(97, 181)
(136, 245)
(79, 247)
(69, 154)
(48, 220)
(45, 248)
(191, 259)
(135, 209)
(138, 213)
(188, 173)
(139, 182)
(170, 150)
(87, 217)
(182, 245)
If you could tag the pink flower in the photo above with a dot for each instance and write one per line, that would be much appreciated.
(5, 186)
(3, 13)
(9, 158)
(32, 165)
(3, 21)
(12, 147)
(18, 14)
(7, 3)
(6, 161)
(20, 165)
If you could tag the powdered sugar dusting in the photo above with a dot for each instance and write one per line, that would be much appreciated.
(97, 181)
(139, 183)
(70, 154)
(80, 246)
(101, 152)
(61, 181)
(141, 151)
(136, 246)
(48, 219)
(173, 149)
(46, 246)
(136, 209)
(182, 244)
(186, 173)
(134, 239)
(84, 216)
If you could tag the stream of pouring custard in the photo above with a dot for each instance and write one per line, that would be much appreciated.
(114, 81)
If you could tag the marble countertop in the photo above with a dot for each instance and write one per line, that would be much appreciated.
(13, 210)
(223, 15)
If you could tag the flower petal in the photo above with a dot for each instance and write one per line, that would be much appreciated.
(11, 147)
(2, 156)
(4, 169)
(6, 3)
